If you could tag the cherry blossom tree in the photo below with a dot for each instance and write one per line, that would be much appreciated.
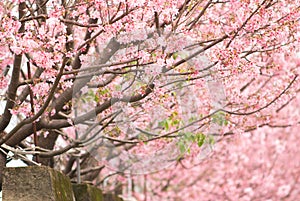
(200, 97)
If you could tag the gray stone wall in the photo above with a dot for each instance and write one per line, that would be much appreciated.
(45, 184)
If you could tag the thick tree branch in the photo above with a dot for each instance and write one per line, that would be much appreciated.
(13, 86)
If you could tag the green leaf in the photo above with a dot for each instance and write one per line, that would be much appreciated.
(165, 124)
(191, 119)
(211, 140)
(175, 55)
(220, 118)
(133, 63)
(118, 87)
(104, 91)
(182, 147)
(97, 99)
(200, 138)
(176, 122)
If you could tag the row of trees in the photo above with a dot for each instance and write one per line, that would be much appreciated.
(115, 89)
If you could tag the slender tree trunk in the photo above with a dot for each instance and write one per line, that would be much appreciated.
(2, 163)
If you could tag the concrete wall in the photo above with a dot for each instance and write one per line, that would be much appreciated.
(45, 184)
